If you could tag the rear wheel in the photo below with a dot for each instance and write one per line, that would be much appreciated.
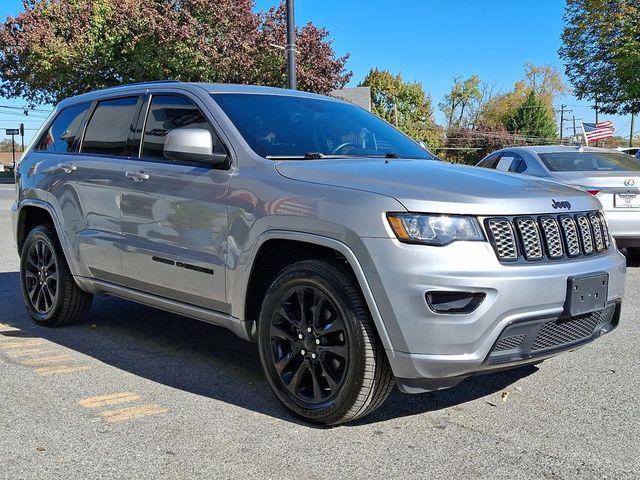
(50, 293)
(318, 345)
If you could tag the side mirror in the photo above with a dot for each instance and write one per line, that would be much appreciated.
(192, 145)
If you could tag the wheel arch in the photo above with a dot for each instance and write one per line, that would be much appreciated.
(33, 213)
(292, 247)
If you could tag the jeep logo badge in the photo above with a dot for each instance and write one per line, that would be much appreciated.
(557, 205)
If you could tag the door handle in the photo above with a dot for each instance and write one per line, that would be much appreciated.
(137, 176)
(67, 167)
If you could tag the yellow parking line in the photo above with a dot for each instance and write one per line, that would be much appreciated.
(114, 398)
(13, 344)
(124, 414)
(8, 328)
(60, 369)
(31, 352)
(47, 360)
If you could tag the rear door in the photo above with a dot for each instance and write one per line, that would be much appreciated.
(85, 179)
(174, 214)
(98, 179)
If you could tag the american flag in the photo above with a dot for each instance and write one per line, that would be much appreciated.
(597, 131)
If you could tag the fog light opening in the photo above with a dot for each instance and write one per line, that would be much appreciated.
(454, 302)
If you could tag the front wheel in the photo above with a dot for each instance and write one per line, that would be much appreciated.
(318, 345)
(50, 293)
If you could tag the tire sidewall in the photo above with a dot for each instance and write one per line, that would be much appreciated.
(300, 276)
(42, 233)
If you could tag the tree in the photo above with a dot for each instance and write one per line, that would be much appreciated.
(463, 94)
(545, 81)
(56, 49)
(466, 145)
(393, 99)
(532, 119)
(601, 50)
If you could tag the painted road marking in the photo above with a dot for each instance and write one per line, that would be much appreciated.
(60, 369)
(114, 398)
(31, 352)
(34, 362)
(124, 414)
(13, 344)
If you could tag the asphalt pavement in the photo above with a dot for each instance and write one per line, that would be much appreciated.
(137, 393)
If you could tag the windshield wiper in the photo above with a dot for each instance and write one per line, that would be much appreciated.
(306, 156)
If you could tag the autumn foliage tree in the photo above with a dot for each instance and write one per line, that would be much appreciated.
(59, 48)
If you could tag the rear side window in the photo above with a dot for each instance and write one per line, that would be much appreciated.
(170, 112)
(491, 161)
(109, 127)
(518, 165)
(63, 134)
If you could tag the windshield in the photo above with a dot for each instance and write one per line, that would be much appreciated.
(279, 126)
(589, 162)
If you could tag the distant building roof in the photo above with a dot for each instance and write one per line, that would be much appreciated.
(360, 96)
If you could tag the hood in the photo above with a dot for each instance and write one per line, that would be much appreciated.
(431, 186)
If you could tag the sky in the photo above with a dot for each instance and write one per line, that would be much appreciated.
(430, 41)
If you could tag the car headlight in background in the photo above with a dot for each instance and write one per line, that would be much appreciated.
(434, 229)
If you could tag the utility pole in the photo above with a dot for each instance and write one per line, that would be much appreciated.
(563, 109)
(22, 135)
(633, 117)
(575, 136)
(291, 47)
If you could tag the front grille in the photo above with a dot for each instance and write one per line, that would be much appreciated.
(561, 332)
(550, 237)
(508, 343)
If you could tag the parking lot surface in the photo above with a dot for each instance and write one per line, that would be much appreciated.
(138, 393)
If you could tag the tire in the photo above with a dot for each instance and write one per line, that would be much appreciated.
(50, 293)
(328, 367)
(633, 253)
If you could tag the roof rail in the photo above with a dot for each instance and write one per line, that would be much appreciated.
(142, 83)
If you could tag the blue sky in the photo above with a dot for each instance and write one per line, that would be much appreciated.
(429, 41)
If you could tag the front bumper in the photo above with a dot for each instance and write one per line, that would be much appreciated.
(434, 350)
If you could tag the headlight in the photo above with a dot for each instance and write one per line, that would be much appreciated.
(434, 229)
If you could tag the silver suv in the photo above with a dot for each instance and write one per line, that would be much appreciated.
(352, 257)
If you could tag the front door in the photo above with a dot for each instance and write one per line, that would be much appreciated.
(173, 214)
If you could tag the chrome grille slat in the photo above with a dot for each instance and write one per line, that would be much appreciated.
(585, 234)
(531, 243)
(597, 232)
(504, 239)
(605, 230)
(550, 237)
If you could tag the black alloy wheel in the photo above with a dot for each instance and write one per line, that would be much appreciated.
(309, 344)
(50, 292)
(41, 276)
(318, 344)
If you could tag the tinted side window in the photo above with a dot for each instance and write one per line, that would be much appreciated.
(169, 112)
(109, 127)
(490, 161)
(64, 132)
(518, 165)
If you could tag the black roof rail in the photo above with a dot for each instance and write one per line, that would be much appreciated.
(142, 83)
